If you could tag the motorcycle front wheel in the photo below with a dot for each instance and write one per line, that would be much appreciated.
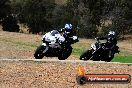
(39, 52)
(65, 53)
(86, 55)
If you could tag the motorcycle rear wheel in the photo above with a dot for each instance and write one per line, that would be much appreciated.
(39, 52)
(110, 58)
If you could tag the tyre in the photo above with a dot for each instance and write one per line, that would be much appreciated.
(65, 53)
(97, 56)
(110, 58)
(39, 52)
(81, 80)
(86, 55)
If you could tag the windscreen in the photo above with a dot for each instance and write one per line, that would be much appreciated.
(103, 41)
(54, 32)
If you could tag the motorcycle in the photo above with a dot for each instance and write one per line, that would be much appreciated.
(100, 51)
(55, 45)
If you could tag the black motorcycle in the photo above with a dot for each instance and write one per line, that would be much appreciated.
(55, 45)
(101, 50)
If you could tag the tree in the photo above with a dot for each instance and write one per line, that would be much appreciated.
(88, 14)
(4, 8)
(9, 22)
(36, 15)
(120, 15)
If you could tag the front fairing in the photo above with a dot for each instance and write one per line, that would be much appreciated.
(53, 37)
(93, 46)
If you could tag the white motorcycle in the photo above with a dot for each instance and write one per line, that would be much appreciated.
(55, 45)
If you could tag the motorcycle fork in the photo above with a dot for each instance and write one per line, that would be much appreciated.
(92, 54)
(46, 49)
(111, 53)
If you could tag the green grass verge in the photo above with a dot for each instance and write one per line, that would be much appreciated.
(79, 48)
(20, 43)
(123, 59)
(77, 51)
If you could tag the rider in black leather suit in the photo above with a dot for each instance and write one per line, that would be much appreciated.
(111, 39)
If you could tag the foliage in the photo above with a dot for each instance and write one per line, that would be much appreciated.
(4, 8)
(94, 17)
(36, 14)
(120, 14)
(88, 14)
(9, 23)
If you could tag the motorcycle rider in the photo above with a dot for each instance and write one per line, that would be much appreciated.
(111, 38)
(68, 31)
(65, 32)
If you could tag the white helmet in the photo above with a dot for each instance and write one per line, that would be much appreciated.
(68, 26)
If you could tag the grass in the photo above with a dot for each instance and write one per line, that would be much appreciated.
(20, 43)
(78, 51)
(123, 59)
(79, 48)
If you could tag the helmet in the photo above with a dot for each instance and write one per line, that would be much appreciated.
(68, 26)
(111, 33)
